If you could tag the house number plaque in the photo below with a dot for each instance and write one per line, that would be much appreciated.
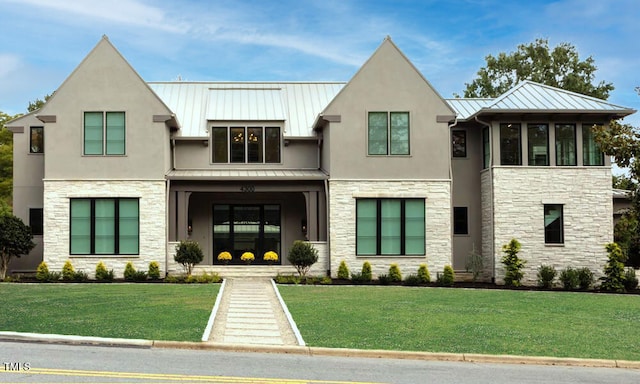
(248, 188)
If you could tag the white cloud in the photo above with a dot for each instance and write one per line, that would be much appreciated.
(129, 12)
(8, 64)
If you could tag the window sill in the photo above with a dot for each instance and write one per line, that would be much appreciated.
(391, 256)
(103, 256)
(553, 245)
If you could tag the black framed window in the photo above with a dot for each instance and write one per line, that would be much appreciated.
(388, 133)
(36, 140)
(566, 144)
(104, 133)
(510, 144)
(105, 226)
(459, 143)
(36, 221)
(553, 224)
(460, 221)
(538, 144)
(390, 227)
(245, 144)
(591, 153)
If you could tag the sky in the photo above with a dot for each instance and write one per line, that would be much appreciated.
(42, 41)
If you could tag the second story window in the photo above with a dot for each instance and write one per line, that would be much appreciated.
(538, 143)
(565, 144)
(388, 133)
(459, 143)
(510, 153)
(36, 140)
(104, 133)
(255, 145)
(591, 153)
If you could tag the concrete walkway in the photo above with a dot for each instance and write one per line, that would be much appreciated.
(250, 313)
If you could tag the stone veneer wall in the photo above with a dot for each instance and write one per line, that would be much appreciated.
(57, 194)
(342, 223)
(486, 199)
(519, 194)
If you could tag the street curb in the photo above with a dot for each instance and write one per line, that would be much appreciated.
(321, 351)
(71, 339)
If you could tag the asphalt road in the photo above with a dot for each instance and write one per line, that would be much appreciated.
(25, 362)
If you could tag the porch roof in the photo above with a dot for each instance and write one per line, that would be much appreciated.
(247, 174)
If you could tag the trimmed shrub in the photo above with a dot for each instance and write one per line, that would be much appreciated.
(302, 256)
(175, 279)
(129, 271)
(630, 279)
(412, 280)
(546, 275)
(585, 278)
(358, 278)
(102, 274)
(326, 280)
(287, 279)
(613, 279)
(423, 274)
(569, 278)
(366, 271)
(68, 273)
(394, 273)
(188, 253)
(42, 272)
(80, 276)
(343, 271)
(154, 270)
(447, 278)
(513, 264)
(384, 279)
(139, 276)
(208, 278)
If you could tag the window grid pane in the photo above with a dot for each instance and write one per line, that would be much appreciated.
(115, 133)
(93, 133)
(538, 144)
(104, 225)
(254, 145)
(366, 224)
(592, 155)
(391, 227)
(272, 145)
(399, 133)
(459, 143)
(565, 144)
(378, 139)
(36, 140)
(510, 144)
(80, 227)
(128, 226)
(414, 227)
(237, 145)
(220, 144)
(553, 224)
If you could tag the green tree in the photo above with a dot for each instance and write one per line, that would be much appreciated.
(38, 103)
(6, 163)
(622, 141)
(15, 241)
(560, 67)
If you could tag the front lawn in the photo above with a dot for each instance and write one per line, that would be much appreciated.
(560, 324)
(134, 311)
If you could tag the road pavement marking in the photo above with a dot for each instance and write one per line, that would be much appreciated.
(175, 377)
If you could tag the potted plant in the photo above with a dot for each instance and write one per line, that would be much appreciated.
(247, 257)
(224, 257)
(270, 257)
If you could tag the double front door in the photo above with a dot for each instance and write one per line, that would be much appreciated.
(246, 228)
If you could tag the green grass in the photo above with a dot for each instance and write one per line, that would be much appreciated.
(530, 323)
(136, 311)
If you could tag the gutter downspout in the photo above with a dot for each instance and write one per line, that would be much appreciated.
(166, 228)
(455, 122)
(490, 166)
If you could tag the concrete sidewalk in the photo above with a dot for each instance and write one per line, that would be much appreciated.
(250, 312)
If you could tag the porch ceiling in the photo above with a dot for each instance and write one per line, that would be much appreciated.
(247, 174)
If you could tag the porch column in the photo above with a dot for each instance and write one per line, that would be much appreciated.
(182, 205)
(311, 199)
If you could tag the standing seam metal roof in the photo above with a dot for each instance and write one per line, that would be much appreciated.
(295, 103)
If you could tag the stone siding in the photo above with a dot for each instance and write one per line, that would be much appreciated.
(486, 196)
(152, 243)
(519, 194)
(342, 223)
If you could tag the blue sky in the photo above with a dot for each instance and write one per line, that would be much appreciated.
(42, 41)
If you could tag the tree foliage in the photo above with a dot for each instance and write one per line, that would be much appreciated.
(38, 103)
(6, 163)
(560, 67)
(15, 241)
(302, 256)
(188, 253)
(622, 141)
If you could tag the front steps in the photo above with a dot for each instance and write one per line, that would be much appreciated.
(246, 270)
